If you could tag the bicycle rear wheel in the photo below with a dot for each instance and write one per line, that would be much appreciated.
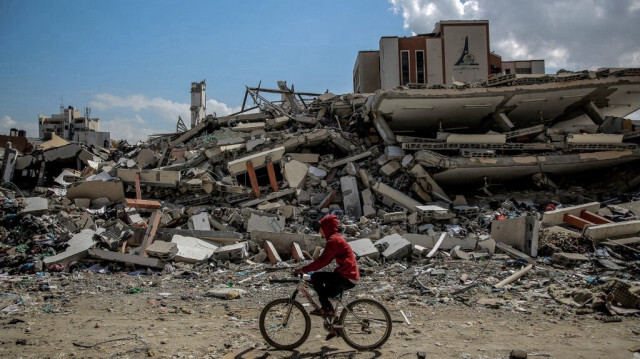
(284, 325)
(365, 324)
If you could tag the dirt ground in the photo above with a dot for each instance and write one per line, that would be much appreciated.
(90, 315)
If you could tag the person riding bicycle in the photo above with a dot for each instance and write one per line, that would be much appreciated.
(345, 276)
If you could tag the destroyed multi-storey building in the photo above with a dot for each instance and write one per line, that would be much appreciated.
(411, 172)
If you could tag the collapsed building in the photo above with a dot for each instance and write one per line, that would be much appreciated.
(252, 185)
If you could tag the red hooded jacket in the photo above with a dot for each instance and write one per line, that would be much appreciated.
(336, 247)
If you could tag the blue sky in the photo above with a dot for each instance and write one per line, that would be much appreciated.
(132, 62)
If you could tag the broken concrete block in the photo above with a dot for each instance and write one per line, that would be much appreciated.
(316, 172)
(568, 259)
(295, 173)
(162, 250)
(260, 257)
(520, 233)
(394, 246)
(364, 248)
(35, 206)
(449, 242)
(79, 244)
(272, 253)
(232, 252)
(394, 217)
(191, 249)
(239, 166)
(419, 251)
(390, 168)
(351, 196)
(265, 223)
(488, 245)
(200, 222)
(368, 209)
(394, 152)
(296, 252)
(406, 161)
(82, 202)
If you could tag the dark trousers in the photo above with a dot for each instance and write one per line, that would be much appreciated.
(329, 285)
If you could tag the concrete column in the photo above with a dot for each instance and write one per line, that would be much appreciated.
(254, 179)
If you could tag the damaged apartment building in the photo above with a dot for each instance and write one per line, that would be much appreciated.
(71, 125)
(410, 170)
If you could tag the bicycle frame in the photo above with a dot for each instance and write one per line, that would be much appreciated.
(302, 288)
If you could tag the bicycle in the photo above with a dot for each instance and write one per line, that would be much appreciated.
(364, 324)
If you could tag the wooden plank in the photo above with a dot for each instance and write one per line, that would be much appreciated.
(142, 203)
(150, 233)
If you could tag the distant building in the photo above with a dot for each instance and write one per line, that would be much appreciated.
(72, 126)
(198, 102)
(456, 50)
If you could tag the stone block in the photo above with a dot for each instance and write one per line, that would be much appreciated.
(295, 173)
(394, 152)
(568, 259)
(390, 168)
(35, 206)
(296, 252)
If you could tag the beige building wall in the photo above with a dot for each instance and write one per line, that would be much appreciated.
(366, 72)
(434, 61)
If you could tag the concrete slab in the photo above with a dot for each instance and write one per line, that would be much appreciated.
(79, 244)
(296, 252)
(258, 160)
(125, 258)
(191, 249)
(35, 206)
(449, 242)
(364, 248)
(162, 250)
(613, 230)
(351, 196)
(395, 196)
(394, 246)
(150, 177)
(394, 152)
(200, 222)
(282, 241)
(265, 223)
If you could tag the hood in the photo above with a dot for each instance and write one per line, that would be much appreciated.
(329, 225)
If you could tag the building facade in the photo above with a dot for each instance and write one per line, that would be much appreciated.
(456, 51)
(72, 126)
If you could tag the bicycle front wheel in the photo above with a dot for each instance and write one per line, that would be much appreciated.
(365, 324)
(284, 324)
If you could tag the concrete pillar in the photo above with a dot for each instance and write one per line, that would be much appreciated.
(253, 179)
(593, 112)
(272, 176)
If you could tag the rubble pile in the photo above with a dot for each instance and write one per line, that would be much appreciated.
(250, 188)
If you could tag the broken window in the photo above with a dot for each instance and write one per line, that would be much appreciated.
(420, 66)
(404, 79)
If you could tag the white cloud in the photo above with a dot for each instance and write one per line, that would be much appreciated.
(130, 129)
(7, 123)
(141, 107)
(570, 34)
(220, 109)
(166, 109)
